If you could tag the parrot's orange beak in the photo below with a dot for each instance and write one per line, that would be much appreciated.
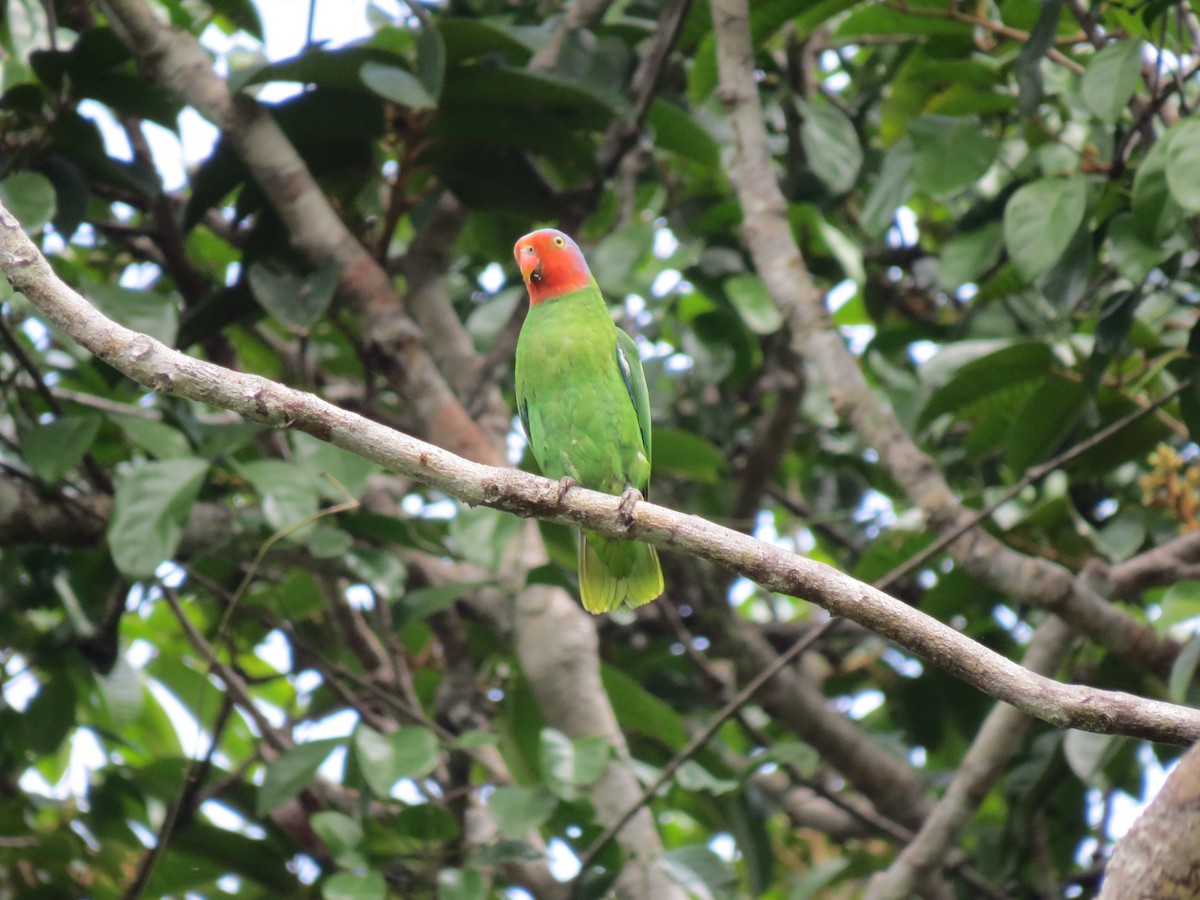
(530, 263)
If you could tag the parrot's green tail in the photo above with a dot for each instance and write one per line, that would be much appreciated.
(617, 574)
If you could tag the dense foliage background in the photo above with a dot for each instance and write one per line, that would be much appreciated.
(297, 675)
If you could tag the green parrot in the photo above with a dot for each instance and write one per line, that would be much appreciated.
(582, 397)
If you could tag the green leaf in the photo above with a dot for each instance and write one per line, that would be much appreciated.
(1044, 422)
(1156, 214)
(682, 454)
(691, 776)
(519, 810)
(409, 752)
(749, 296)
(812, 883)
(150, 508)
(290, 494)
(122, 692)
(1180, 604)
(158, 439)
(640, 711)
(296, 299)
(1183, 671)
(950, 153)
(462, 884)
(830, 144)
(431, 61)
(1087, 753)
(349, 470)
(699, 871)
(146, 311)
(1029, 58)
(967, 256)
(352, 886)
(482, 535)
(30, 197)
(1133, 256)
(1040, 221)
(426, 822)
(1111, 77)
(676, 131)
(568, 765)
(341, 835)
(891, 190)
(1183, 165)
(288, 775)
(396, 84)
(996, 372)
(53, 449)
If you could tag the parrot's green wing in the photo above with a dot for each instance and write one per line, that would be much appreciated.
(634, 377)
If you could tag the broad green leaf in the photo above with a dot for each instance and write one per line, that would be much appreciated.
(1086, 754)
(677, 131)
(568, 765)
(1183, 165)
(426, 822)
(1066, 282)
(1180, 604)
(290, 493)
(332, 464)
(1183, 671)
(1120, 537)
(749, 296)
(699, 871)
(52, 449)
(462, 884)
(1040, 221)
(30, 197)
(353, 886)
(830, 144)
(812, 884)
(122, 692)
(408, 752)
(341, 835)
(996, 372)
(292, 772)
(431, 61)
(482, 535)
(466, 38)
(691, 776)
(518, 810)
(396, 84)
(1028, 65)
(158, 439)
(1133, 256)
(1111, 77)
(297, 300)
(150, 508)
(967, 256)
(146, 311)
(950, 154)
(640, 711)
(1156, 213)
(683, 454)
(891, 190)
(1044, 422)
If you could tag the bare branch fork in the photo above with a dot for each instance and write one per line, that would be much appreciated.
(164, 370)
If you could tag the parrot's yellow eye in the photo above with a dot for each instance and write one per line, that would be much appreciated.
(559, 242)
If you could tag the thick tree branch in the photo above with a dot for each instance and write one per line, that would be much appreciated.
(162, 369)
(1160, 857)
(778, 260)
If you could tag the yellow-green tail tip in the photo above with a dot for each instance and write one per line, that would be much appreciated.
(602, 591)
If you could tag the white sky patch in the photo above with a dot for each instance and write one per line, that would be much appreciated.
(194, 740)
(229, 819)
(665, 282)
(22, 685)
(561, 860)
(275, 651)
(922, 351)
(139, 276)
(86, 757)
(491, 279)
(740, 591)
(635, 304)
(360, 597)
(665, 242)
(724, 846)
(904, 232)
(515, 442)
(840, 294)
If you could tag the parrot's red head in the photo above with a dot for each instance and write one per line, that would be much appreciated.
(551, 264)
